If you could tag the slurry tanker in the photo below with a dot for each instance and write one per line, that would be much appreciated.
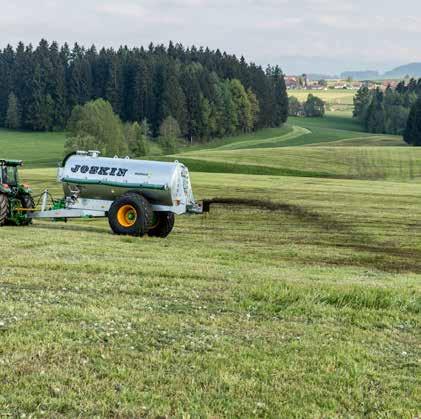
(138, 197)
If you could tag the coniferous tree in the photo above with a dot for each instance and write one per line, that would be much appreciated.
(412, 134)
(7, 64)
(375, 119)
(194, 104)
(13, 118)
(41, 105)
(280, 111)
(361, 103)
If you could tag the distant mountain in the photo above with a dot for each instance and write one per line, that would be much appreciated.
(361, 75)
(411, 70)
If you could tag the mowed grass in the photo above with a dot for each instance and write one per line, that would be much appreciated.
(375, 163)
(333, 146)
(37, 149)
(312, 311)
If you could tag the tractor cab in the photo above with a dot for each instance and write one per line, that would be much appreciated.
(15, 199)
(9, 172)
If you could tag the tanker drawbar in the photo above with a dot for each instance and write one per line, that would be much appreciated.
(138, 197)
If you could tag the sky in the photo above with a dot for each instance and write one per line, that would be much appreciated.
(323, 36)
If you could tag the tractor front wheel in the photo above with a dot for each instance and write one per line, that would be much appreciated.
(4, 209)
(130, 215)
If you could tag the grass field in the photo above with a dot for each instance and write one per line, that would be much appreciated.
(37, 149)
(337, 100)
(309, 311)
(333, 146)
(312, 310)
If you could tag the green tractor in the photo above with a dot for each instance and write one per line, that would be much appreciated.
(15, 199)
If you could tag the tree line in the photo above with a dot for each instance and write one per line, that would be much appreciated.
(95, 126)
(313, 107)
(386, 112)
(208, 93)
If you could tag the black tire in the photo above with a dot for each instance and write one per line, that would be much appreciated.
(28, 203)
(164, 225)
(142, 217)
(4, 209)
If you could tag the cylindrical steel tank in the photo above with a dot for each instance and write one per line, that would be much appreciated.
(95, 177)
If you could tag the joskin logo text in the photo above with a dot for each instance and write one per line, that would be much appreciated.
(101, 171)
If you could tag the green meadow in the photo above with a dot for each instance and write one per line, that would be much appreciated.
(309, 310)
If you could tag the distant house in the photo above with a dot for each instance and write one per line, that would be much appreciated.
(292, 82)
(392, 83)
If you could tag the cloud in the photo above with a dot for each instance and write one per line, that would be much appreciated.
(358, 33)
(122, 9)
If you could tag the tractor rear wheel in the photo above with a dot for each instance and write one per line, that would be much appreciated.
(27, 203)
(4, 209)
(130, 215)
(164, 224)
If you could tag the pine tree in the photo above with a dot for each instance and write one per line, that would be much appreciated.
(361, 103)
(174, 97)
(13, 119)
(280, 111)
(57, 88)
(412, 134)
(7, 61)
(23, 74)
(41, 107)
(193, 94)
(375, 119)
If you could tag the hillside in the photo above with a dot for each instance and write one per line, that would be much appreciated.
(411, 70)
(36, 149)
(330, 147)
(361, 75)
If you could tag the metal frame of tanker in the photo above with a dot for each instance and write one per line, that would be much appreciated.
(96, 208)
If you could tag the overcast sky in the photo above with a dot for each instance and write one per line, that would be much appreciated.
(300, 35)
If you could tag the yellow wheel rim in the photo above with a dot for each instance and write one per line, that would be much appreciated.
(127, 216)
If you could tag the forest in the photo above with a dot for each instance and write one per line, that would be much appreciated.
(209, 93)
(386, 112)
